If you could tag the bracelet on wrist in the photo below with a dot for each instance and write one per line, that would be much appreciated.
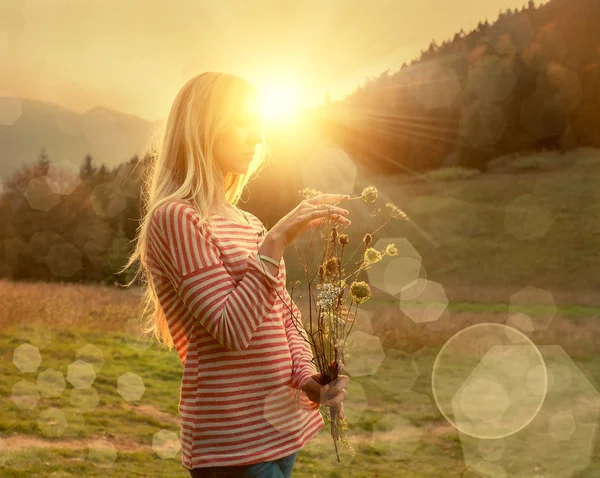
(269, 259)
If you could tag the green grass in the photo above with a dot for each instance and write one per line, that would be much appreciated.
(161, 381)
(118, 423)
(451, 174)
(573, 311)
(70, 463)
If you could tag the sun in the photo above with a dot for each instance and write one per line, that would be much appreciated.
(278, 103)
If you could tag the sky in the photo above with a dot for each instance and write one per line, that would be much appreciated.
(134, 55)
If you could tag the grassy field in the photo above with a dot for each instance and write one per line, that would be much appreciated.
(468, 243)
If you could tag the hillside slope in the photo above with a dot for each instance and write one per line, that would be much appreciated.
(487, 237)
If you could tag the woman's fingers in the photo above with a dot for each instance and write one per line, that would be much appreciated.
(325, 209)
(337, 400)
(337, 213)
(327, 198)
(339, 219)
(338, 385)
(337, 390)
(311, 213)
(331, 394)
(315, 391)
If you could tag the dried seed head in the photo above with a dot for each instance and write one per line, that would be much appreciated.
(360, 291)
(367, 239)
(321, 272)
(372, 255)
(396, 212)
(334, 233)
(369, 194)
(343, 239)
(391, 250)
(331, 266)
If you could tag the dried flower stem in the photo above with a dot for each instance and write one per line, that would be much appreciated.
(329, 338)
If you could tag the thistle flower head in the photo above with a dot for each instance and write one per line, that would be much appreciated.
(367, 239)
(360, 291)
(369, 194)
(343, 239)
(391, 250)
(372, 255)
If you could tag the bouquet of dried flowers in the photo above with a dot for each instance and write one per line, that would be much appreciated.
(338, 297)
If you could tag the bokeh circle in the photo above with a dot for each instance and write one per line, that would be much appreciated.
(489, 381)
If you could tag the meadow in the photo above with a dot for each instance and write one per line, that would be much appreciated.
(483, 238)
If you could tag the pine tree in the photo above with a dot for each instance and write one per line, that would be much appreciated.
(101, 175)
(87, 170)
(42, 164)
(117, 256)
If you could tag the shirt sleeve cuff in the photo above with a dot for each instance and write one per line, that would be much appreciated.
(302, 399)
(305, 403)
(303, 376)
(256, 262)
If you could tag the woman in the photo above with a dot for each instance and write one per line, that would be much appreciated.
(216, 288)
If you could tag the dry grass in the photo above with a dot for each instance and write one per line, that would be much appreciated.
(579, 337)
(95, 307)
(102, 308)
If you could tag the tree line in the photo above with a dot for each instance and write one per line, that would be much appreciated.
(80, 234)
(528, 82)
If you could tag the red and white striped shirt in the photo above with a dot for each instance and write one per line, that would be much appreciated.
(244, 360)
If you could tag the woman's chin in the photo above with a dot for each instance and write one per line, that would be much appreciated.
(241, 169)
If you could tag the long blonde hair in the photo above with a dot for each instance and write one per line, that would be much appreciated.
(183, 167)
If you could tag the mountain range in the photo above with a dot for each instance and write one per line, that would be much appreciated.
(29, 126)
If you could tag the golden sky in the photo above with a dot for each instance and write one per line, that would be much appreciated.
(134, 55)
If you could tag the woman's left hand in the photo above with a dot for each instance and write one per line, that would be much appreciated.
(331, 394)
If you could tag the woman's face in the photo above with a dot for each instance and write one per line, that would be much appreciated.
(237, 145)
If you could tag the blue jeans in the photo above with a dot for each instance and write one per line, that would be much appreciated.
(281, 468)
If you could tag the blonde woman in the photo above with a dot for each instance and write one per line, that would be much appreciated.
(216, 288)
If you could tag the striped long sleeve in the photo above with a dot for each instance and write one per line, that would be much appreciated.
(230, 311)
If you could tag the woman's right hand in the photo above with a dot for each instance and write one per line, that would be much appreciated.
(310, 213)
(331, 394)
